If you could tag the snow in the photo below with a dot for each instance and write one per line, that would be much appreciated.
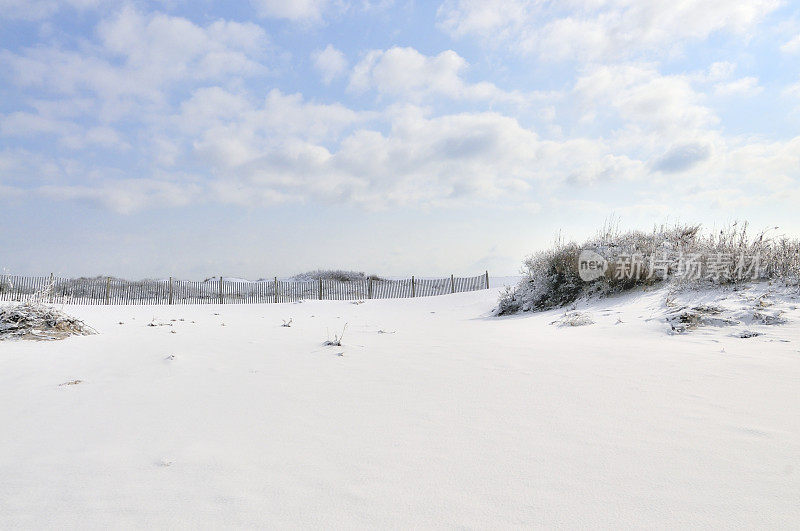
(431, 414)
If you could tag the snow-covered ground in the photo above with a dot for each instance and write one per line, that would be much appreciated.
(431, 414)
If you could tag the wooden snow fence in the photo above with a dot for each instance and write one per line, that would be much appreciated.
(108, 290)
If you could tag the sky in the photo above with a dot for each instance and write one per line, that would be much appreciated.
(265, 137)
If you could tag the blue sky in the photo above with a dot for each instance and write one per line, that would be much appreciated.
(263, 138)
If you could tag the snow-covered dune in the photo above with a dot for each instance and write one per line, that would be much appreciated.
(431, 413)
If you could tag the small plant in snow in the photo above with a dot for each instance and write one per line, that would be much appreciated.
(337, 339)
(573, 319)
(746, 334)
(287, 324)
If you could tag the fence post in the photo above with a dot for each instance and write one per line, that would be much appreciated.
(221, 299)
(276, 289)
(487, 279)
(413, 290)
(108, 289)
(51, 287)
(320, 288)
(369, 288)
(452, 284)
(170, 290)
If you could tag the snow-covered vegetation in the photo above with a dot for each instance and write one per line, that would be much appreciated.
(683, 255)
(37, 320)
(35, 317)
(334, 274)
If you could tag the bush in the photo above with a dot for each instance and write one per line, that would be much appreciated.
(552, 278)
(337, 275)
(36, 320)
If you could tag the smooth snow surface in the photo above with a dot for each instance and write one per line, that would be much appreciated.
(431, 414)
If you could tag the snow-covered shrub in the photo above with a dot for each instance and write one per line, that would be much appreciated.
(552, 277)
(36, 320)
(333, 274)
(551, 280)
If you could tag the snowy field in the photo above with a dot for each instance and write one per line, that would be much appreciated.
(431, 414)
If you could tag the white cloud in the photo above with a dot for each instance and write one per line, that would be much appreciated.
(37, 174)
(283, 148)
(288, 149)
(420, 162)
(406, 72)
(140, 56)
(173, 47)
(665, 105)
(746, 86)
(103, 136)
(22, 168)
(26, 124)
(69, 134)
(484, 18)
(213, 107)
(767, 164)
(41, 9)
(720, 70)
(296, 10)
(330, 62)
(175, 94)
(793, 90)
(594, 29)
(726, 198)
(331, 154)
(792, 46)
(228, 130)
(682, 157)
(127, 195)
(413, 158)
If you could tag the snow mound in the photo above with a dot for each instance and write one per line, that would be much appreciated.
(757, 306)
(38, 321)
